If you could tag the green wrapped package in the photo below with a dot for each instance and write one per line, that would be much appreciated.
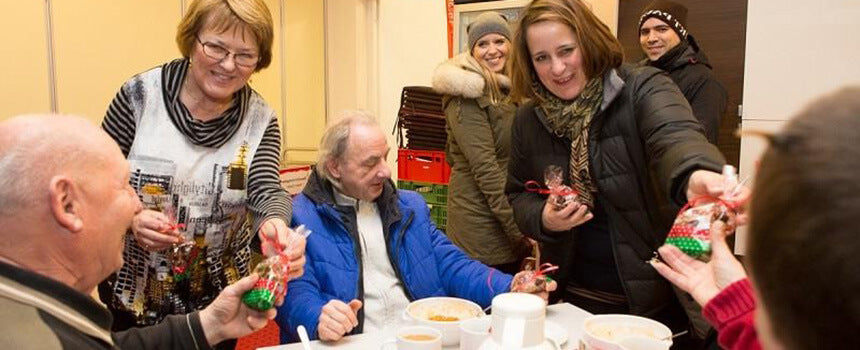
(272, 284)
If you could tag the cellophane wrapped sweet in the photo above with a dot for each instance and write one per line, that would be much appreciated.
(528, 281)
(691, 230)
(271, 286)
(554, 181)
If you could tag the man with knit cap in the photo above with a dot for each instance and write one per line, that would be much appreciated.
(664, 39)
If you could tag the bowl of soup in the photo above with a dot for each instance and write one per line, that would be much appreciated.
(616, 332)
(443, 314)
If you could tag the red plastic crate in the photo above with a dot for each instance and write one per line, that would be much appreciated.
(422, 166)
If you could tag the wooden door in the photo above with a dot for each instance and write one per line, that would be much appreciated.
(720, 29)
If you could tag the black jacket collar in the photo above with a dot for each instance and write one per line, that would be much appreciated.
(321, 191)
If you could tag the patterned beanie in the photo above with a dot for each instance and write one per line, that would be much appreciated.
(670, 12)
(486, 23)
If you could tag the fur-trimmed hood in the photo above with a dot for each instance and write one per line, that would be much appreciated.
(461, 76)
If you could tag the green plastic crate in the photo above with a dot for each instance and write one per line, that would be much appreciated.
(434, 194)
(439, 214)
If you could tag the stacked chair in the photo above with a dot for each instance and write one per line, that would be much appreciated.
(421, 135)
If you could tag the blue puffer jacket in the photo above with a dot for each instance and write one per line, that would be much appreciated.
(425, 261)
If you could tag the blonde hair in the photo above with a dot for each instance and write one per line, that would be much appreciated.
(601, 51)
(223, 15)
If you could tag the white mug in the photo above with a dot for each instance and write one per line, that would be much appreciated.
(415, 338)
(473, 332)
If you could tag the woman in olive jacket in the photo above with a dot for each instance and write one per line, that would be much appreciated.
(626, 139)
(479, 115)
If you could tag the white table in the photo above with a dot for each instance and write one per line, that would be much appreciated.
(566, 315)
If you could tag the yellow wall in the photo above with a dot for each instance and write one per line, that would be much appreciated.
(96, 55)
(23, 58)
(99, 44)
(305, 79)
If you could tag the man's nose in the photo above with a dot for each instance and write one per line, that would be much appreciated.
(652, 36)
(384, 172)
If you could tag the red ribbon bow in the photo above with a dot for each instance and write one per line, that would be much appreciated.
(534, 186)
(282, 256)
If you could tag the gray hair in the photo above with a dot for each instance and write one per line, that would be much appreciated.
(336, 138)
(17, 180)
(32, 151)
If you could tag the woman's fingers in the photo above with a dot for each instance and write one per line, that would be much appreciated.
(677, 260)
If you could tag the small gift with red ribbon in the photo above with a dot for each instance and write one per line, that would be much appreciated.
(272, 284)
(691, 231)
(533, 281)
(554, 181)
(533, 277)
(274, 274)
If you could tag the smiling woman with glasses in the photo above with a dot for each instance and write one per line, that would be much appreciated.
(219, 53)
(205, 151)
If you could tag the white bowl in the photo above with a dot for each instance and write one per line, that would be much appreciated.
(422, 311)
(607, 332)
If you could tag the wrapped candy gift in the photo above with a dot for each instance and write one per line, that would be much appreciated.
(271, 286)
(533, 277)
(691, 231)
(274, 274)
(554, 180)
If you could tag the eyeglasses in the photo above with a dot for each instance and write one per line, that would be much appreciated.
(219, 53)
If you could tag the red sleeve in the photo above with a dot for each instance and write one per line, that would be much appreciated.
(731, 313)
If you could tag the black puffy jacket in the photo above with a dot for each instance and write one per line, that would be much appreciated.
(643, 145)
(689, 68)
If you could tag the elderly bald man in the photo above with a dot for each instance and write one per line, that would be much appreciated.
(65, 205)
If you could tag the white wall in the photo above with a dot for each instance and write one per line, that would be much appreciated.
(412, 41)
(794, 54)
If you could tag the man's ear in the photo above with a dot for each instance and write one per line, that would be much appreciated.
(65, 203)
(333, 168)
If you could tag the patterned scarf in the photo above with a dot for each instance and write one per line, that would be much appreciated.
(572, 119)
(213, 133)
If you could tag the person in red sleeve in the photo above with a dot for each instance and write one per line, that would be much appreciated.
(803, 250)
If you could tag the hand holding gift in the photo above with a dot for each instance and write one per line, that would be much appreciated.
(713, 197)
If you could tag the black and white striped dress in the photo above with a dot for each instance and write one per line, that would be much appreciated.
(266, 197)
(148, 107)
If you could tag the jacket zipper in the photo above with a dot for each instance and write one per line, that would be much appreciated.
(356, 246)
(396, 257)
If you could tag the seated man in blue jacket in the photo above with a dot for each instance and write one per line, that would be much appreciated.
(373, 248)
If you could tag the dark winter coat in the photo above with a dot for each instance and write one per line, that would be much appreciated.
(689, 68)
(480, 219)
(643, 145)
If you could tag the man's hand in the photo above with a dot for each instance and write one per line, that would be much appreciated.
(557, 220)
(702, 280)
(228, 318)
(275, 231)
(337, 319)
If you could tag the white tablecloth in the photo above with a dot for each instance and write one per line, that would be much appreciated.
(566, 315)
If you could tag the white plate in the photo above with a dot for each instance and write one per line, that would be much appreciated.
(555, 332)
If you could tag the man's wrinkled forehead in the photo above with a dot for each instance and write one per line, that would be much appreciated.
(366, 142)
